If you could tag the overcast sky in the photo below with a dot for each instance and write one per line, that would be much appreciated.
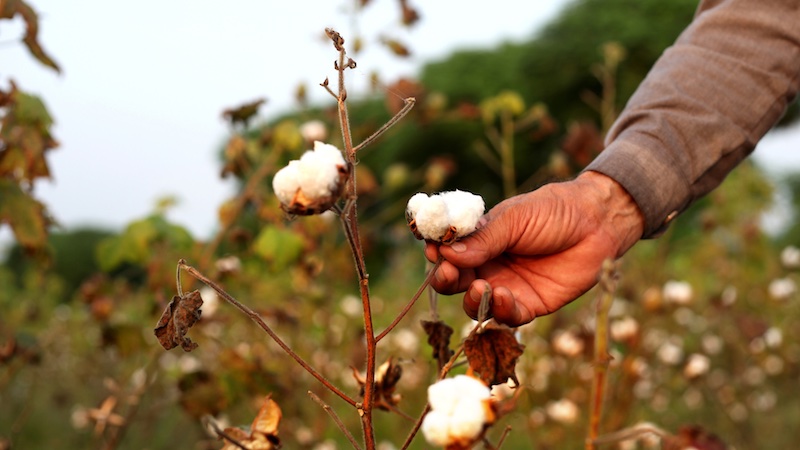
(138, 104)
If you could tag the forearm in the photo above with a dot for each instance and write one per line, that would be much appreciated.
(704, 105)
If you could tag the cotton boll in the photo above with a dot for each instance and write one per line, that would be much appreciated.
(313, 183)
(464, 210)
(286, 182)
(468, 418)
(415, 203)
(328, 152)
(436, 428)
(432, 220)
(460, 410)
(318, 176)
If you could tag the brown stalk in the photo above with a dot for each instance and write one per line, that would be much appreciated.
(335, 418)
(602, 358)
(255, 317)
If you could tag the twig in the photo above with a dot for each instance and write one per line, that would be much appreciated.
(255, 317)
(221, 433)
(409, 103)
(607, 286)
(413, 433)
(413, 300)
(503, 436)
(335, 418)
(633, 432)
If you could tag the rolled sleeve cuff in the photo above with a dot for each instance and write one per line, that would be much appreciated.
(659, 190)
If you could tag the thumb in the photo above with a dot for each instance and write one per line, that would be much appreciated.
(496, 231)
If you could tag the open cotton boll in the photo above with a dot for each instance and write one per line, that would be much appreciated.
(415, 203)
(464, 210)
(459, 411)
(286, 182)
(432, 219)
(329, 153)
(444, 217)
(312, 184)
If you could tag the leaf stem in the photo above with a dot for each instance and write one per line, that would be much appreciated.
(413, 300)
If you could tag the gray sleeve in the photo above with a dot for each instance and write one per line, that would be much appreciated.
(704, 105)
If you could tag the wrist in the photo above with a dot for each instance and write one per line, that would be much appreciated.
(618, 213)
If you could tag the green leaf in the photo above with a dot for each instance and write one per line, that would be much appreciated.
(280, 247)
(136, 244)
(27, 217)
(31, 109)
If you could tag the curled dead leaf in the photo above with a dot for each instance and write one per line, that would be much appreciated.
(180, 315)
(492, 354)
(439, 334)
(263, 431)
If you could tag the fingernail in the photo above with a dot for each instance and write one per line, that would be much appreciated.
(474, 295)
(458, 247)
(439, 276)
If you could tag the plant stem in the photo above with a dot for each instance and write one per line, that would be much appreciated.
(605, 298)
(255, 317)
(350, 222)
(507, 154)
(413, 300)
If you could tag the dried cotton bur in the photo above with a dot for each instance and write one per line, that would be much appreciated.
(444, 217)
(313, 183)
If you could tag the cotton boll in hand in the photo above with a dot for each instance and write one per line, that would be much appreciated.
(444, 217)
(464, 210)
(432, 219)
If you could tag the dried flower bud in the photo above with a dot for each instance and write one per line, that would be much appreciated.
(312, 184)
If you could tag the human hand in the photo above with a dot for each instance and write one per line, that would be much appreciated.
(540, 250)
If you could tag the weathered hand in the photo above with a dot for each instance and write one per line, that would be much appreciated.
(541, 250)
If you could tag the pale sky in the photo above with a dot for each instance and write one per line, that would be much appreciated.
(138, 104)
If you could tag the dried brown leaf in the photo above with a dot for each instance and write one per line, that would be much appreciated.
(397, 47)
(263, 433)
(180, 315)
(268, 418)
(493, 354)
(439, 334)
